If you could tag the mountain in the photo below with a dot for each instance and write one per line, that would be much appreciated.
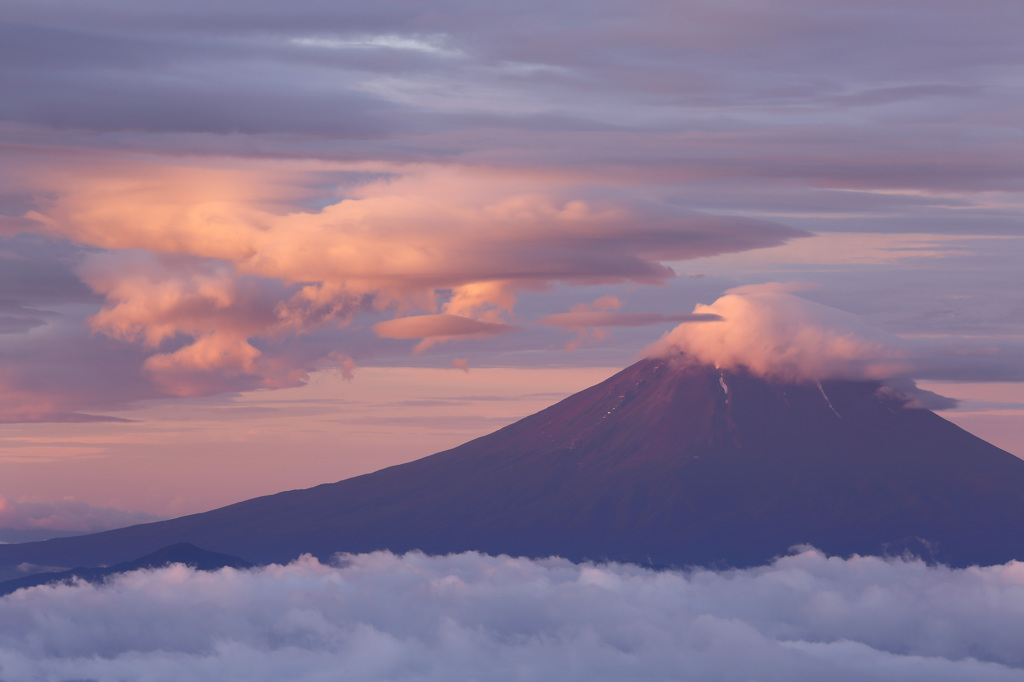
(181, 553)
(665, 464)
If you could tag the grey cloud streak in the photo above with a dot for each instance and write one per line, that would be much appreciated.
(789, 99)
(468, 616)
(576, 320)
(728, 67)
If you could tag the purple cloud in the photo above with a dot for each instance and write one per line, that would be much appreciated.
(470, 616)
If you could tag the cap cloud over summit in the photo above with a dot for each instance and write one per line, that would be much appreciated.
(771, 331)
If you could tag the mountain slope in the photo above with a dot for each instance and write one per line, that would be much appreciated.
(660, 464)
(181, 553)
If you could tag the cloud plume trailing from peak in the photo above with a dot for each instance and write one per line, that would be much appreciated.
(469, 616)
(774, 333)
(771, 331)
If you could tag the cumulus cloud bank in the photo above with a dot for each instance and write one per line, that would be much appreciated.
(223, 278)
(385, 617)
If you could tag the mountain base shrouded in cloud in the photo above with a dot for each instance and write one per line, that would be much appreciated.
(474, 617)
(182, 553)
(668, 463)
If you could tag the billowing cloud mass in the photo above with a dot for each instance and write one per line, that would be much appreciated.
(771, 331)
(468, 616)
(217, 272)
(257, 187)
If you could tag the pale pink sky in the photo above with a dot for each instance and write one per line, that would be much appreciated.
(271, 238)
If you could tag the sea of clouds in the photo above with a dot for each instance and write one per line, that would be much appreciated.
(475, 617)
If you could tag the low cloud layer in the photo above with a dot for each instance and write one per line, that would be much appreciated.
(468, 616)
(24, 520)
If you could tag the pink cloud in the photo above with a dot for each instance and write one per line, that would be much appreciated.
(771, 332)
(425, 228)
(768, 330)
(438, 328)
(429, 326)
(205, 264)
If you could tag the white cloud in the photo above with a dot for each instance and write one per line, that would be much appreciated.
(774, 333)
(385, 617)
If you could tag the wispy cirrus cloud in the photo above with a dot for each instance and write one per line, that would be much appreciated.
(436, 328)
(590, 320)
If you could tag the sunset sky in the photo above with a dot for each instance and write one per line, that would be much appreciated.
(248, 247)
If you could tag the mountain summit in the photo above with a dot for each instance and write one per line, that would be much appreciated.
(667, 463)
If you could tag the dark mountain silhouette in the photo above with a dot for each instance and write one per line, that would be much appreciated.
(664, 464)
(181, 553)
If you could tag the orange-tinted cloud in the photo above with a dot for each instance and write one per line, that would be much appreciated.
(444, 325)
(201, 310)
(425, 227)
(204, 263)
(434, 329)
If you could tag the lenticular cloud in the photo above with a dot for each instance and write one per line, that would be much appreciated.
(469, 616)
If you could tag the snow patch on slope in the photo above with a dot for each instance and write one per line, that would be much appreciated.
(827, 401)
